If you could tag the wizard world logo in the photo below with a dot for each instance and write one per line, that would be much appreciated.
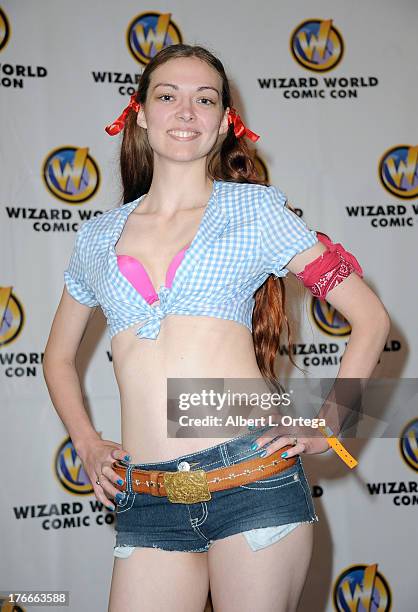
(398, 171)
(362, 588)
(8, 606)
(150, 32)
(12, 316)
(71, 174)
(317, 45)
(408, 444)
(4, 30)
(70, 471)
(328, 319)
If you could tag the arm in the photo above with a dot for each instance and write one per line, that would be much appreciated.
(61, 377)
(370, 325)
(366, 314)
(289, 245)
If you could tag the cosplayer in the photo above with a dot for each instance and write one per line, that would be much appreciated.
(188, 273)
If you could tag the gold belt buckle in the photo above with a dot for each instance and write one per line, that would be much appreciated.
(186, 487)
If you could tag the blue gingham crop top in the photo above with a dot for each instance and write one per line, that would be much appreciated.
(245, 234)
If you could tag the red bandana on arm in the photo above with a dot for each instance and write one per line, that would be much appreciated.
(329, 269)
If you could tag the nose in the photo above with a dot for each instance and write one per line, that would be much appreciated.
(185, 111)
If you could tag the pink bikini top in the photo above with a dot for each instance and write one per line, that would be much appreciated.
(136, 274)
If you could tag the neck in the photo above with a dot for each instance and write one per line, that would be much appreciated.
(178, 186)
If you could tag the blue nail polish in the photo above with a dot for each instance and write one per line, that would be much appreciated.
(284, 454)
(263, 454)
(254, 446)
(110, 508)
(127, 457)
(118, 497)
(119, 481)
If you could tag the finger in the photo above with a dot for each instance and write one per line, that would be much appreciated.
(294, 449)
(113, 478)
(257, 443)
(119, 453)
(98, 491)
(108, 488)
(264, 439)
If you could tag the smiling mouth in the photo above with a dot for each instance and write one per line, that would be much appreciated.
(183, 134)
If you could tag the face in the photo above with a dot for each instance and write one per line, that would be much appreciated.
(183, 114)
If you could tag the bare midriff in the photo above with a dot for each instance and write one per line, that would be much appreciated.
(186, 347)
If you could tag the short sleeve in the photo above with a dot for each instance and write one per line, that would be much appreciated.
(74, 275)
(283, 233)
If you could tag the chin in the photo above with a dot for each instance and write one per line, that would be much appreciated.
(183, 156)
(181, 151)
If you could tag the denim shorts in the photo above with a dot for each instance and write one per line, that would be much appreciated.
(263, 511)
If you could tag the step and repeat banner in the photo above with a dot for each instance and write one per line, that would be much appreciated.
(332, 91)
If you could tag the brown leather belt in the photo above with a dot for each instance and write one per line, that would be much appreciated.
(196, 485)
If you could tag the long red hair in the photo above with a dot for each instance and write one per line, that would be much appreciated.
(230, 160)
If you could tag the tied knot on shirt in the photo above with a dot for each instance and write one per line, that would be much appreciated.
(151, 327)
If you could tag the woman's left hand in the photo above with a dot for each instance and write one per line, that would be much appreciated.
(309, 445)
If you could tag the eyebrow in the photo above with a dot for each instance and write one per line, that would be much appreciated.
(176, 87)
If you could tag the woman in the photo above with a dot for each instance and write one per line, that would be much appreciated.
(198, 224)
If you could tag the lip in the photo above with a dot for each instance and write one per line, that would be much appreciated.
(183, 138)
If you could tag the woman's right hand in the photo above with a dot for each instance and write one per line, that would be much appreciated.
(97, 457)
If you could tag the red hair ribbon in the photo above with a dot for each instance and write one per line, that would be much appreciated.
(329, 269)
(119, 123)
(239, 127)
(233, 117)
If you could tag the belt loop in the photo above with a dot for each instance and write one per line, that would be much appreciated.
(153, 482)
(224, 454)
(129, 479)
(160, 485)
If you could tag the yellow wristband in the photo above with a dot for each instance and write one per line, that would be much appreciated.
(338, 447)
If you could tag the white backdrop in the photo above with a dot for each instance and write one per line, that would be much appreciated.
(332, 92)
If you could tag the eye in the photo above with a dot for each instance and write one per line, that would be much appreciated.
(208, 100)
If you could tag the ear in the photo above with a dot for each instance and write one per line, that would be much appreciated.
(141, 120)
(223, 128)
